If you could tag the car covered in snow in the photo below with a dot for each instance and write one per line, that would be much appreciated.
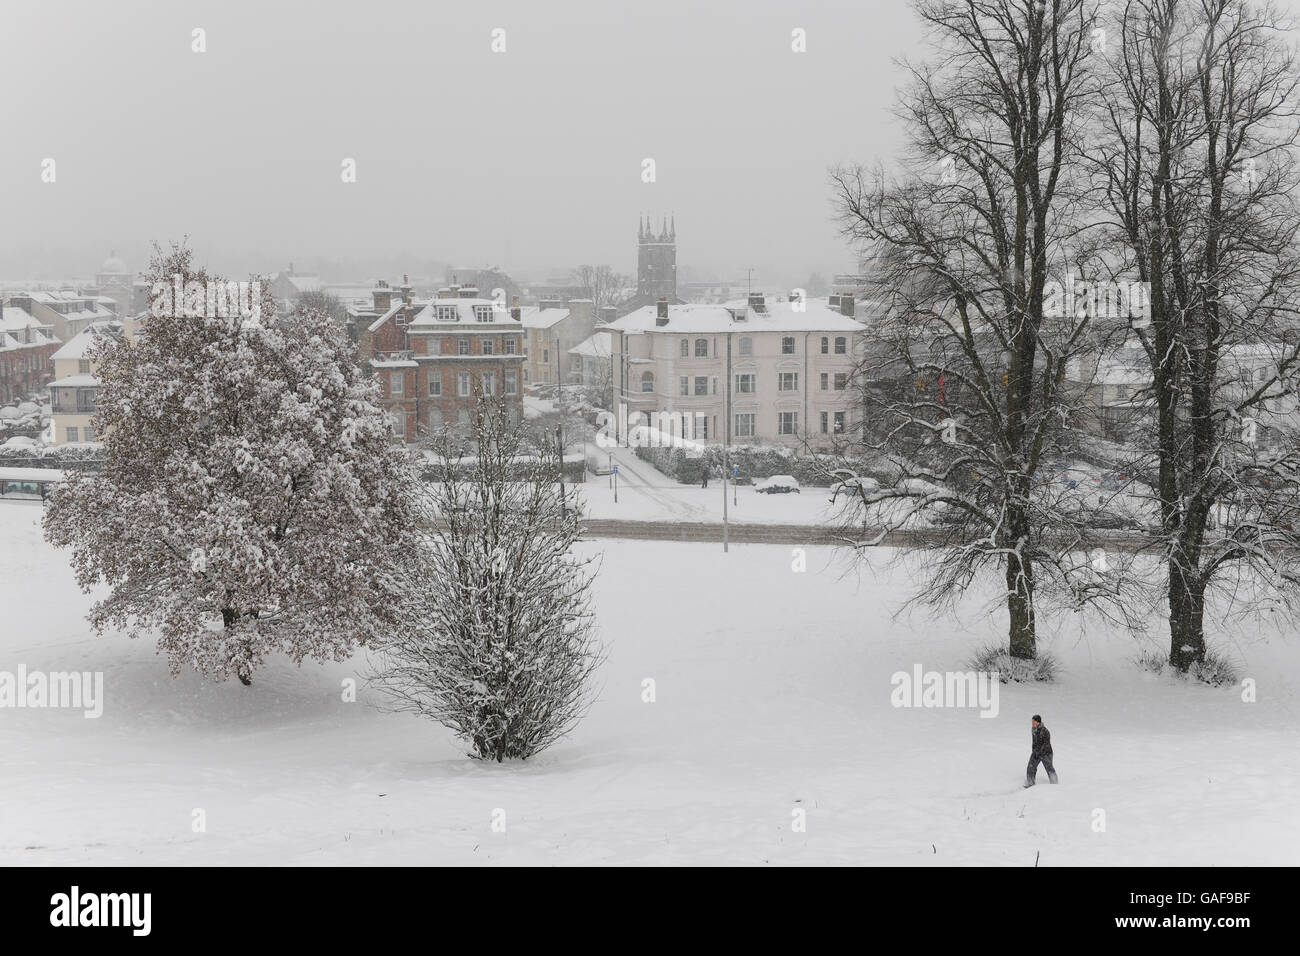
(777, 485)
(854, 486)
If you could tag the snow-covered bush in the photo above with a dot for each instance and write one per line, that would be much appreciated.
(250, 499)
(1216, 669)
(1019, 670)
(498, 642)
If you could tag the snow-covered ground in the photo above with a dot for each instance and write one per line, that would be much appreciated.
(772, 695)
(646, 494)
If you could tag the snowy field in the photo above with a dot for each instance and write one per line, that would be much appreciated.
(772, 695)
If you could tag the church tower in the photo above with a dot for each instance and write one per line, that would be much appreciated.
(656, 261)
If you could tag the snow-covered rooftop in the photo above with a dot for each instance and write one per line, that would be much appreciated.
(815, 316)
(537, 318)
(439, 314)
(599, 345)
(76, 381)
(79, 344)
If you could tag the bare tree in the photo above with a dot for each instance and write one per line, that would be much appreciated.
(966, 373)
(604, 286)
(1197, 161)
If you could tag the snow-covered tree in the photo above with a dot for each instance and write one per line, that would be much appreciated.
(499, 643)
(250, 499)
(966, 374)
(1197, 155)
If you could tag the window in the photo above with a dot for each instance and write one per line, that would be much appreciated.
(745, 384)
(839, 423)
(483, 313)
(787, 423)
(647, 381)
(546, 356)
(746, 346)
(701, 348)
(435, 383)
(489, 383)
(488, 347)
(686, 385)
(83, 366)
(745, 425)
(512, 383)
(788, 382)
(398, 422)
(841, 381)
(826, 381)
(825, 420)
(686, 348)
(841, 345)
(787, 345)
(826, 345)
(508, 345)
(88, 434)
(462, 346)
(395, 383)
(701, 426)
(448, 313)
(435, 419)
(462, 383)
(701, 385)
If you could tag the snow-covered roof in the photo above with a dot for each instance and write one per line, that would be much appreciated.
(31, 474)
(816, 316)
(20, 330)
(599, 345)
(537, 318)
(300, 283)
(433, 317)
(79, 344)
(76, 381)
(374, 326)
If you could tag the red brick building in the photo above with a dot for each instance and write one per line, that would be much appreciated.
(432, 357)
(26, 345)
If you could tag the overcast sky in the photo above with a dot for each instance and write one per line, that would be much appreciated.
(529, 159)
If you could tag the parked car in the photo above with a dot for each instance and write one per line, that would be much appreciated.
(777, 485)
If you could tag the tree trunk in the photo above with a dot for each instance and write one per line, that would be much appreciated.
(1020, 607)
(244, 669)
(1186, 617)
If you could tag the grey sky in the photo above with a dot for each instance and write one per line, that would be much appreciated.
(530, 159)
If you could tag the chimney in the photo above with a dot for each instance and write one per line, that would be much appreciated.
(550, 303)
(383, 296)
(406, 288)
(661, 316)
(757, 302)
(608, 314)
(468, 291)
(515, 312)
(846, 304)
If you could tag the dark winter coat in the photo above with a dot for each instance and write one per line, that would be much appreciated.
(1041, 741)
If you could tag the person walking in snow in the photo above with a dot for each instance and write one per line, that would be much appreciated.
(1040, 752)
(705, 482)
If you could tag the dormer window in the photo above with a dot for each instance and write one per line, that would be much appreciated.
(448, 313)
(483, 313)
